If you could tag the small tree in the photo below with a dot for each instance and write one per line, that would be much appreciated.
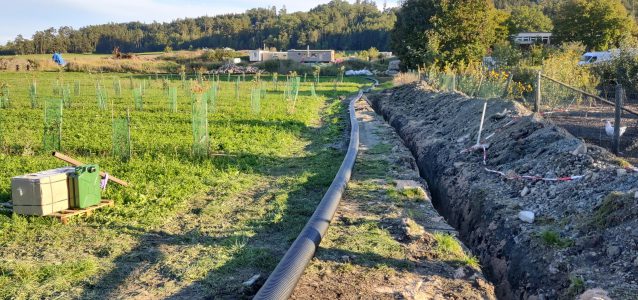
(598, 24)
(451, 32)
(373, 53)
(528, 19)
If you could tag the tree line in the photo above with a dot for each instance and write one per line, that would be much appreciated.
(458, 32)
(337, 25)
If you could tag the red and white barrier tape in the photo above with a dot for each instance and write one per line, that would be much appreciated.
(478, 147)
(632, 169)
(535, 178)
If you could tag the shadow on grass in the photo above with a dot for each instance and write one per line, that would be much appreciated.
(261, 251)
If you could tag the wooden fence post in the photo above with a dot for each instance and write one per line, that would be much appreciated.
(618, 110)
(538, 94)
(454, 82)
(506, 93)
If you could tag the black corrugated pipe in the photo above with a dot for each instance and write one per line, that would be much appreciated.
(284, 278)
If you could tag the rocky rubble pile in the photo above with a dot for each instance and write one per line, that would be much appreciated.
(584, 230)
(235, 69)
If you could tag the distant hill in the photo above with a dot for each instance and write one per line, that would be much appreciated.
(337, 25)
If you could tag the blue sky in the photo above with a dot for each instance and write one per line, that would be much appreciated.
(26, 16)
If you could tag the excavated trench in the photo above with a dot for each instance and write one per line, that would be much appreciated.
(483, 206)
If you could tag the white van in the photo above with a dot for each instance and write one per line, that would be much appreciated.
(594, 57)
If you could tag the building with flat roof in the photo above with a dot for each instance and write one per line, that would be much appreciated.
(302, 56)
(264, 55)
(312, 56)
(532, 38)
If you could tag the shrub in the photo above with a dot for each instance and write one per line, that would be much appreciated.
(563, 66)
(623, 70)
(505, 55)
(284, 66)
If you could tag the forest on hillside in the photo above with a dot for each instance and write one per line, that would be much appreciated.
(336, 25)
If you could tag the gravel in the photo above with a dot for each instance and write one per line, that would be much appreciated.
(589, 216)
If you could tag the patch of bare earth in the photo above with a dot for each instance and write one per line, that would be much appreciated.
(386, 240)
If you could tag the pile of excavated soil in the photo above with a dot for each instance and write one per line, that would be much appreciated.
(584, 235)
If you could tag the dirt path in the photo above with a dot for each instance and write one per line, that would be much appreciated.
(387, 240)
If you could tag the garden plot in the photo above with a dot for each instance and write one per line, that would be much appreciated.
(190, 225)
(588, 123)
(583, 235)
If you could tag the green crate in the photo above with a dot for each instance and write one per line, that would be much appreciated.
(84, 186)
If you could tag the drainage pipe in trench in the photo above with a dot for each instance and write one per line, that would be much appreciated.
(282, 281)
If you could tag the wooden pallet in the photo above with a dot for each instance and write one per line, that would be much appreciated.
(64, 215)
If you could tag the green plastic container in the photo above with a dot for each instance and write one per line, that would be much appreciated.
(84, 186)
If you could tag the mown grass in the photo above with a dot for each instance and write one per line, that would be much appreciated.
(187, 223)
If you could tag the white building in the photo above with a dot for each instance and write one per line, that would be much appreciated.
(264, 55)
(312, 56)
(302, 56)
(532, 38)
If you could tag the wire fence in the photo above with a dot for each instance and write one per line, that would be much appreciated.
(606, 116)
(588, 113)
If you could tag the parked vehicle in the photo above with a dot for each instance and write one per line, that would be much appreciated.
(599, 57)
(595, 57)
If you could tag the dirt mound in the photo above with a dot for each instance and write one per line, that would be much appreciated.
(584, 234)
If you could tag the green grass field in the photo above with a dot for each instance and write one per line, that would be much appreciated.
(186, 226)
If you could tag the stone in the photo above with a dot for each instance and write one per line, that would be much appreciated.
(526, 216)
(458, 164)
(459, 273)
(636, 262)
(613, 251)
(463, 139)
(594, 294)
(621, 172)
(252, 280)
(580, 149)
(524, 192)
